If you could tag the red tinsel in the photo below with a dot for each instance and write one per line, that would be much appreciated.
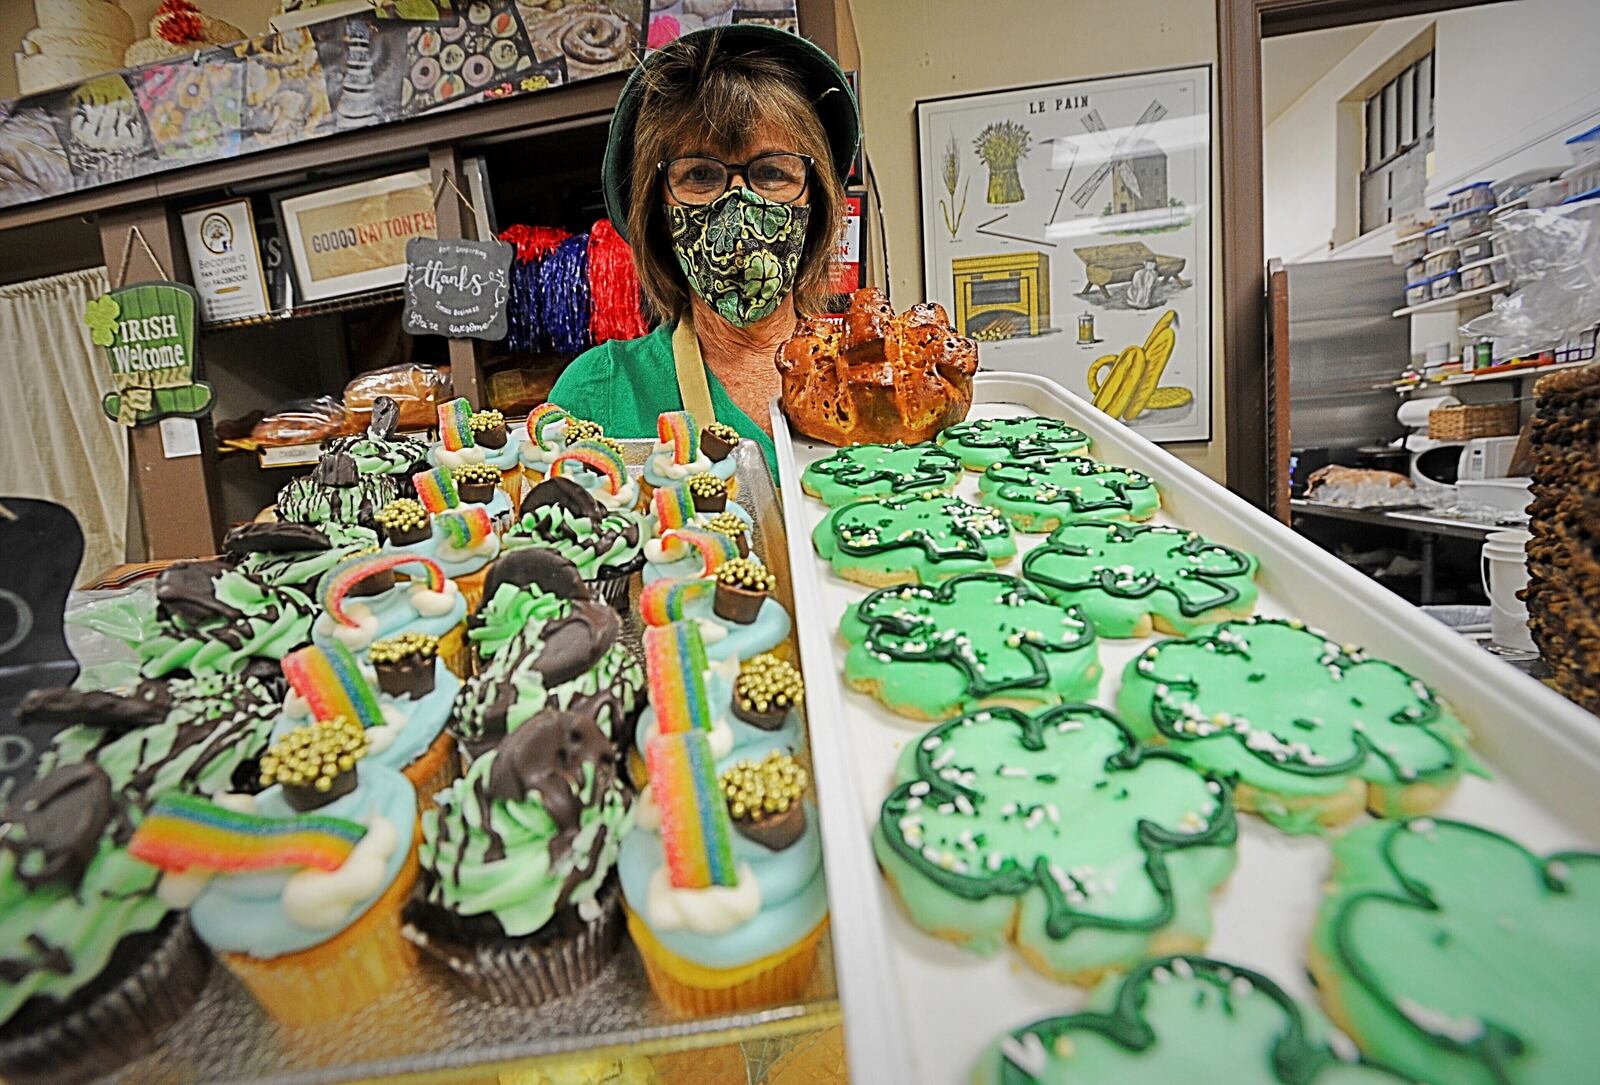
(178, 22)
(532, 242)
(614, 309)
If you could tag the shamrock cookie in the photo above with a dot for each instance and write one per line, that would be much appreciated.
(861, 471)
(1128, 578)
(1042, 494)
(974, 641)
(1181, 1019)
(1455, 955)
(1313, 732)
(1059, 832)
(986, 441)
(921, 538)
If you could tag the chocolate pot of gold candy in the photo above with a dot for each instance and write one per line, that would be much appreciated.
(709, 493)
(718, 440)
(767, 689)
(405, 664)
(763, 799)
(488, 429)
(405, 522)
(726, 523)
(743, 584)
(476, 482)
(315, 764)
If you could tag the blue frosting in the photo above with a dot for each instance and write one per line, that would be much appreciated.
(750, 743)
(743, 641)
(794, 897)
(395, 614)
(689, 566)
(243, 913)
(425, 718)
(723, 468)
(435, 546)
(505, 457)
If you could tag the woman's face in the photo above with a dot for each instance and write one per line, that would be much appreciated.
(766, 139)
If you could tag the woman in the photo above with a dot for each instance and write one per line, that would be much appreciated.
(725, 168)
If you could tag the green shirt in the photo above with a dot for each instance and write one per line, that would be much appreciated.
(626, 383)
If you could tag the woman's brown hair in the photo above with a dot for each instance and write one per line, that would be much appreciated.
(697, 99)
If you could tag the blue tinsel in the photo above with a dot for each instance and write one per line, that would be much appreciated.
(564, 295)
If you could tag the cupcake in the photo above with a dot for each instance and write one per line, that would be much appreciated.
(708, 492)
(479, 484)
(297, 890)
(381, 450)
(423, 602)
(297, 555)
(471, 437)
(737, 615)
(545, 436)
(460, 537)
(96, 965)
(677, 454)
(212, 618)
(335, 492)
(672, 510)
(597, 465)
(517, 901)
(718, 443)
(722, 880)
(607, 547)
(402, 697)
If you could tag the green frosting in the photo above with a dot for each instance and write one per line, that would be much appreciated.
(1124, 575)
(860, 471)
(306, 501)
(299, 568)
(986, 441)
(487, 855)
(269, 623)
(1282, 708)
(920, 538)
(1056, 830)
(591, 544)
(1180, 1020)
(381, 455)
(510, 610)
(1042, 494)
(971, 641)
(1456, 955)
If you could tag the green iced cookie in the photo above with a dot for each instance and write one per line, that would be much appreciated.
(862, 471)
(986, 441)
(1042, 494)
(917, 539)
(1127, 577)
(974, 641)
(1058, 832)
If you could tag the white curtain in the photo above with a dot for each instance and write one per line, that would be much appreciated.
(56, 441)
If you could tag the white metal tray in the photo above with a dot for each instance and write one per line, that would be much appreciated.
(918, 1009)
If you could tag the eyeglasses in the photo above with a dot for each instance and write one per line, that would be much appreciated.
(696, 180)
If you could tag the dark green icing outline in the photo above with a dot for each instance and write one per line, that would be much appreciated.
(1134, 480)
(1013, 880)
(920, 539)
(975, 434)
(1127, 532)
(841, 469)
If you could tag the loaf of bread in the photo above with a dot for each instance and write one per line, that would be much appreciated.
(877, 378)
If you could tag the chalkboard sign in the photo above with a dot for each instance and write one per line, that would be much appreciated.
(43, 546)
(457, 289)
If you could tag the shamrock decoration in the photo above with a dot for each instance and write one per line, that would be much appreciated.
(1042, 494)
(920, 538)
(974, 640)
(861, 471)
(1183, 1019)
(1458, 956)
(1123, 575)
(1311, 730)
(986, 441)
(1035, 828)
(101, 316)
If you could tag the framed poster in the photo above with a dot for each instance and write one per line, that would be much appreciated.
(352, 238)
(225, 261)
(1068, 227)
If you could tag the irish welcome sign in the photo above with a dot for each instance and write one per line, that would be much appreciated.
(149, 335)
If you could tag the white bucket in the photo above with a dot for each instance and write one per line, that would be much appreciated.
(1503, 567)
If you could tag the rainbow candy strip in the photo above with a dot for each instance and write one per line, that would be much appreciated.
(695, 833)
(715, 548)
(454, 429)
(675, 663)
(540, 418)
(436, 490)
(672, 505)
(678, 429)
(466, 527)
(332, 684)
(184, 831)
(337, 583)
(597, 458)
(665, 601)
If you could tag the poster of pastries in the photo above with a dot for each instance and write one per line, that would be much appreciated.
(590, 37)
(1068, 227)
(671, 19)
(33, 163)
(484, 51)
(103, 130)
(286, 91)
(194, 106)
(364, 61)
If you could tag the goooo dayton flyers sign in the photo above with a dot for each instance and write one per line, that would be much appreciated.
(148, 332)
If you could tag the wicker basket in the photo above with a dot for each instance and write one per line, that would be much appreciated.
(1472, 420)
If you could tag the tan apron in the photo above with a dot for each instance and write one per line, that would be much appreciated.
(691, 371)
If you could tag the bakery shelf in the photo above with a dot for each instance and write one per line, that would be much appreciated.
(1454, 301)
(1506, 373)
(348, 304)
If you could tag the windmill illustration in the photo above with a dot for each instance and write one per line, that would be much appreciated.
(1136, 166)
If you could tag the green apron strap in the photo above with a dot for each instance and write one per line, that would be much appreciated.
(691, 368)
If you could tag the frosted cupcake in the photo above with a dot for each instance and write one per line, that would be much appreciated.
(548, 432)
(282, 553)
(297, 890)
(460, 537)
(212, 618)
(468, 437)
(671, 554)
(517, 899)
(597, 466)
(734, 608)
(679, 451)
(335, 492)
(382, 450)
(364, 601)
(606, 546)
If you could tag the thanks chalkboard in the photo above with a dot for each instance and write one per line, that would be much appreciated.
(457, 289)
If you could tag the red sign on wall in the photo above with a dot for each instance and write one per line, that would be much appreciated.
(849, 272)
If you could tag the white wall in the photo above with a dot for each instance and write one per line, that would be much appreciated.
(1512, 82)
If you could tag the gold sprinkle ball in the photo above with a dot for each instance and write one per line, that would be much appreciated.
(404, 646)
(614, 445)
(757, 789)
(469, 473)
(746, 573)
(581, 429)
(706, 484)
(766, 682)
(480, 421)
(724, 431)
(726, 523)
(404, 513)
(315, 755)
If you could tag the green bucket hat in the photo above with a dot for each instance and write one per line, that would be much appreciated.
(821, 76)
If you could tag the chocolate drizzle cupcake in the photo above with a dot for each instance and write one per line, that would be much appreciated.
(477, 482)
(607, 547)
(709, 493)
(766, 691)
(315, 764)
(763, 799)
(743, 584)
(336, 491)
(404, 664)
(488, 428)
(718, 440)
(404, 522)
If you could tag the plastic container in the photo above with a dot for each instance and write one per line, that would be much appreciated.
(1503, 570)
(1476, 278)
(1442, 260)
(1436, 354)
(1416, 272)
(1479, 195)
(1513, 188)
(1507, 495)
(1437, 238)
(1410, 250)
(1582, 180)
(1447, 285)
(1414, 221)
(1474, 249)
(1467, 224)
(1585, 146)
(1419, 292)
(1548, 195)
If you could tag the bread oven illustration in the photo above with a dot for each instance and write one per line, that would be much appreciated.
(1003, 296)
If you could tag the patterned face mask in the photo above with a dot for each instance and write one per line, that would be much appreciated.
(740, 252)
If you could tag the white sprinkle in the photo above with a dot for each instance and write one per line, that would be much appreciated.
(944, 759)
(1239, 987)
(1028, 1054)
(1463, 1029)
(947, 808)
(931, 742)
(913, 803)
(965, 806)
(1013, 770)
(1181, 969)
(920, 788)
(1052, 812)
(1034, 819)
(993, 861)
